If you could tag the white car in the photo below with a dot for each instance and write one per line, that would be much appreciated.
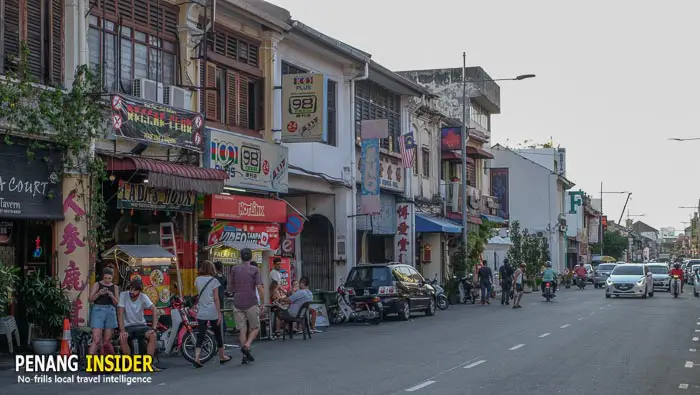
(696, 284)
(659, 272)
(630, 280)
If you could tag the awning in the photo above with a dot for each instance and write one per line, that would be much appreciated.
(472, 219)
(478, 153)
(494, 219)
(430, 224)
(454, 156)
(172, 175)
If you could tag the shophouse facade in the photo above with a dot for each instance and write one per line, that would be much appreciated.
(536, 193)
(581, 217)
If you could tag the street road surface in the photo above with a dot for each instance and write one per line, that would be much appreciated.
(582, 343)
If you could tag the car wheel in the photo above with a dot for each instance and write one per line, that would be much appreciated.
(405, 312)
(431, 308)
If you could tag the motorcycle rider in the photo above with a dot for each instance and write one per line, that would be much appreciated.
(549, 276)
(505, 272)
(679, 272)
(581, 272)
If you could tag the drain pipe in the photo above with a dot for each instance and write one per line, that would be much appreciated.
(82, 34)
(352, 251)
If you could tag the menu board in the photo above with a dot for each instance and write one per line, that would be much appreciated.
(156, 285)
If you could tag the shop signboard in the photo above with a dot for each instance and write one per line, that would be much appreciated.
(244, 208)
(304, 108)
(390, 172)
(141, 120)
(239, 235)
(450, 139)
(404, 233)
(30, 188)
(144, 197)
(250, 163)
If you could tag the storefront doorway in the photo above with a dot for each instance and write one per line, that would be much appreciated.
(316, 252)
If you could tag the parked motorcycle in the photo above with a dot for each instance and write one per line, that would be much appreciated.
(467, 290)
(442, 301)
(357, 308)
(676, 287)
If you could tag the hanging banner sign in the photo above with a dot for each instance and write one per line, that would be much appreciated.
(370, 170)
(141, 120)
(304, 108)
(241, 235)
(143, 197)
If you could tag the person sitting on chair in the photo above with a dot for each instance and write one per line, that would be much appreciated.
(296, 300)
(132, 322)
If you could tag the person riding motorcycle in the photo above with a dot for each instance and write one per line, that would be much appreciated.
(549, 276)
(679, 272)
(581, 272)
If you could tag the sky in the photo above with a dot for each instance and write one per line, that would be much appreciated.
(615, 80)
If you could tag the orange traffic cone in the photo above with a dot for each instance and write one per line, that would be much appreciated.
(65, 342)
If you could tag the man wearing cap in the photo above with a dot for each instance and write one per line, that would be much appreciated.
(244, 280)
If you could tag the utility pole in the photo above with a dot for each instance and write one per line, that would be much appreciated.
(465, 139)
(600, 223)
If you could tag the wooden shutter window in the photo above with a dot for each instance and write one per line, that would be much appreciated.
(231, 98)
(10, 33)
(471, 174)
(210, 93)
(56, 18)
(243, 102)
(35, 38)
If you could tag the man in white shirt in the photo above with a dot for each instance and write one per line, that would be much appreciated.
(275, 273)
(132, 321)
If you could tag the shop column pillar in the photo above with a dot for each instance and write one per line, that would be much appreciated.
(73, 246)
(273, 86)
(190, 36)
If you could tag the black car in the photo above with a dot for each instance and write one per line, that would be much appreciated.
(400, 287)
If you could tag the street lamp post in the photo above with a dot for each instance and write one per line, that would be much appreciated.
(600, 224)
(466, 108)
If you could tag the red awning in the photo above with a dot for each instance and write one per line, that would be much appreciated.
(478, 153)
(453, 156)
(474, 220)
(172, 175)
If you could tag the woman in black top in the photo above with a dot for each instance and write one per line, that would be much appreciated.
(103, 318)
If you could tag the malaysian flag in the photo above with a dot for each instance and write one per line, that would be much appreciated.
(407, 145)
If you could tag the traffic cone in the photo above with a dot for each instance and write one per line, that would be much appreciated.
(65, 342)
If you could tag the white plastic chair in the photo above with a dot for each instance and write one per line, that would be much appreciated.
(8, 327)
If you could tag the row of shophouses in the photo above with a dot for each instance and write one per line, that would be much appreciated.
(251, 164)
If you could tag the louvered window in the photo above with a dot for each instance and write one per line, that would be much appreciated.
(234, 48)
(471, 174)
(144, 47)
(331, 101)
(232, 97)
(39, 23)
(375, 102)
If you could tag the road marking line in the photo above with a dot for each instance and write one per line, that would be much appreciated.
(696, 339)
(545, 335)
(692, 350)
(477, 363)
(697, 330)
(581, 319)
(421, 385)
(602, 308)
(689, 364)
(683, 386)
(564, 326)
(516, 347)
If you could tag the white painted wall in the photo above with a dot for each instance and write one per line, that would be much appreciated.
(427, 135)
(535, 199)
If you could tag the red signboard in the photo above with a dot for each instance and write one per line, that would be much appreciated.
(240, 235)
(244, 208)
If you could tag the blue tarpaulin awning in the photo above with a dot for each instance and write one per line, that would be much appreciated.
(493, 219)
(429, 224)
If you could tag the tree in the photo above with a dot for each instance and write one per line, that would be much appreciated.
(515, 254)
(614, 245)
(544, 249)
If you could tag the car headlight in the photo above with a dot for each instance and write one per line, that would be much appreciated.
(609, 281)
(640, 282)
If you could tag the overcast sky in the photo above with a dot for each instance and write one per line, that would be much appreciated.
(615, 80)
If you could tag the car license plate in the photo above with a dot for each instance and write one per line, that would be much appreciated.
(366, 292)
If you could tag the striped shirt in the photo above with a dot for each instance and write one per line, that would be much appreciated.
(243, 280)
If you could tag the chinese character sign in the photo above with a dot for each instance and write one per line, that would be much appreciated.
(370, 170)
(73, 250)
(403, 241)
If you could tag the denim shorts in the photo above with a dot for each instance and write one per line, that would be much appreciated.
(103, 317)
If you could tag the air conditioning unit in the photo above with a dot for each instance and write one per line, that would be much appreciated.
(148, 90)
(177, 97)
(340, 248)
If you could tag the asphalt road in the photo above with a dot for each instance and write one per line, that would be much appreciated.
(582, 343)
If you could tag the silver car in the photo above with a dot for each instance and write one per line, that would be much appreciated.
(602, 272)
(659, 272)
(630, 280)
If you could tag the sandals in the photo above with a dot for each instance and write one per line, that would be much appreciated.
(225, 360)
(197, 365)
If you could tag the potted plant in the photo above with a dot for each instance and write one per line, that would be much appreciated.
(46, 305)
(8, 280)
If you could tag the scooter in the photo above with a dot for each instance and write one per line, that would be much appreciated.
(675, 288)
(581, 283)
(342, 311)
(442, 302)
(467, 291)
(548, 294)
(358, 308)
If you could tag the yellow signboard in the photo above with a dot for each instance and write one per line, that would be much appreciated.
(304, 108)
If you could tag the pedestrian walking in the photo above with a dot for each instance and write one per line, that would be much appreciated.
(485, 279)
(246, 285)
(223, 284)
(208, 311)
(518, 281)
(506, 274)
